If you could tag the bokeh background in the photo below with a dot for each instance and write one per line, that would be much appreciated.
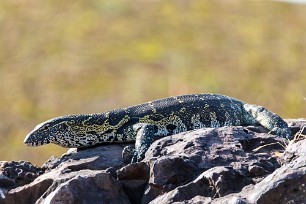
(87, 56)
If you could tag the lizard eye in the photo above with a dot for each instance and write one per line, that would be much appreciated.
(64, 126)
(45, 127)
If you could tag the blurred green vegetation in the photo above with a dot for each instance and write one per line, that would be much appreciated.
(85, 56)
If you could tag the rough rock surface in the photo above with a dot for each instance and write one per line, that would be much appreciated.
(223, 165)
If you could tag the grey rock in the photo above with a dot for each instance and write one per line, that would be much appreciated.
(60, 170)
(256, 170)
(286, 184)
(294, 150)
(199, 187)
(95, 158)
(211, 147)
(138, 171)
(297, 125)
(17, 173)
(134, 189)
(88, 187)
(225, 180)
(196, 200)
(29, 193)
(167, 173)
(237, 165)
(215, 182)
(134, 178)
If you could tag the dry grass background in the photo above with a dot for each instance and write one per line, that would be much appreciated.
(85, 56)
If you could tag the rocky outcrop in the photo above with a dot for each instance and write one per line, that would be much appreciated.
(223, 165)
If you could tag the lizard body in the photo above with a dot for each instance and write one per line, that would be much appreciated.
(144, 122)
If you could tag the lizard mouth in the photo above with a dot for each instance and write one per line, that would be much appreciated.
(31, 141)
(34, 143)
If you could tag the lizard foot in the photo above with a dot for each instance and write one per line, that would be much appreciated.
(128, 153)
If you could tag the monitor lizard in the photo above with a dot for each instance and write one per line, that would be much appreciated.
(145, 122)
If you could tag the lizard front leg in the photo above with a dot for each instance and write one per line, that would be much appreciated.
(257, 114)
(145, 136)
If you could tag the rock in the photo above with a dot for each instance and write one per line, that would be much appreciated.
(233, 147)
(76, 186)
(287, 184)
(167, 173)
(134, 189)
(59, 170)
(223, 165)
(134, 178)
(198, 187)
(17, 173)
(297, 125)
(294, 150)
(29, 193)
(256, 170)
(138, 171)
(225, 180)
(215, 182)
(95, 158)
(196, 200)
(91, 187)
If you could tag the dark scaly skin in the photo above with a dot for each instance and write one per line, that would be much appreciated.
(166, 116)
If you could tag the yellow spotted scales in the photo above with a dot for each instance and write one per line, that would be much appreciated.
(145, 122)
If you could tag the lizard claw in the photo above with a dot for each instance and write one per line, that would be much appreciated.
(128, 154)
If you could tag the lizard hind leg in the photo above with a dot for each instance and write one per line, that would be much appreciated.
(268, 119)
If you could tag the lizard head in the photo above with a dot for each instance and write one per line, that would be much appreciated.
(66, 131)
